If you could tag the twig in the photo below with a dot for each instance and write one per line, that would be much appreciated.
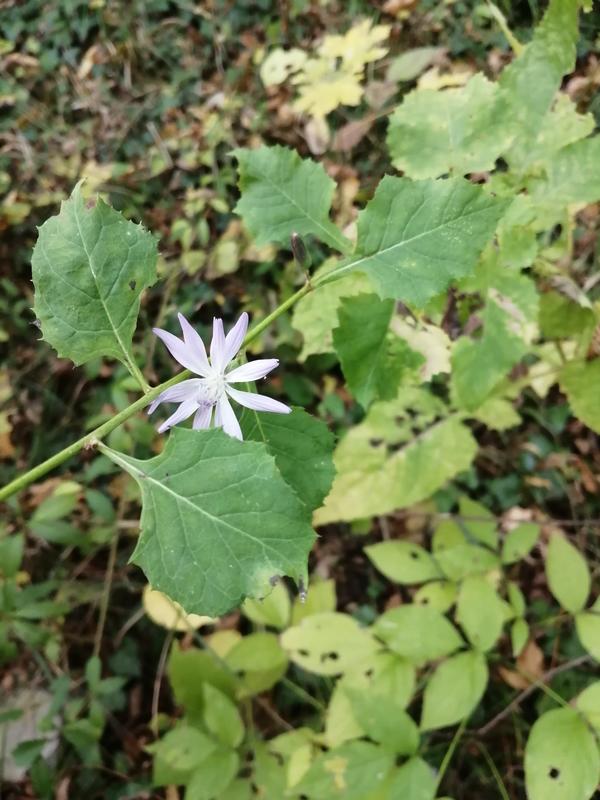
(544, 679)
(162, 663)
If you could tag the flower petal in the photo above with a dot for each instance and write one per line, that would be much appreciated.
(202, 418)
(180, 351)
(176, 394)
(225, 417)
(195, 344)
(235, 338)
(185, 410)
(251, 371)
(257, 402)
(217, 345)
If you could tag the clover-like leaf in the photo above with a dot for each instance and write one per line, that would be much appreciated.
(219, 523)
(283, 194)
(415, 237)
(302, 446)
(89, 267)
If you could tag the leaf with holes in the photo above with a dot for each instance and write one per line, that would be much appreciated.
(416, 237)
(561, 758)
(403, 562)
(283, 194)
(328, 643)
(219, 523)
(89, 268)
(399, 454)
(302, 447)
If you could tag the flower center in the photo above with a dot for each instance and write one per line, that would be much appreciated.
(211, 389)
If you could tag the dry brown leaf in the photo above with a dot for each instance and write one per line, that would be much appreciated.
(349, 135)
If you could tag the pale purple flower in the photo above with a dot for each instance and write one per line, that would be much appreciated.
(211, 391)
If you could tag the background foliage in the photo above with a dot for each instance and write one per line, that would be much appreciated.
(449, 640)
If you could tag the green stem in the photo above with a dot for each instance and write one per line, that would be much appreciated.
(91, 438)
(450, 752)
(137, 374)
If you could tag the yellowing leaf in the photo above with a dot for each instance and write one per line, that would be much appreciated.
(280, 64)
(324, 88)
(357, 47)
(170, 615)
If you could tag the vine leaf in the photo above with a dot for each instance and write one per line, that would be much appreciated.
(284, 194)
(90, 266)
(415, 237)
(302, 447)
(219, 523)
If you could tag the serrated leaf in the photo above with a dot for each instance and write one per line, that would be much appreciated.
(543, 62)
(408, 224)
(454, 690)
(519, 541)
(588, 631)
(373, 359)
(302, 446)
(573, 175)
(399, 455)
(567, 573)
(218, 521)
(480, 612)
(89, 268)
(284, 194)
(327, 643)
(454, 131)
(418, 633)
(403, 562)
(561, 758)
(580, 381)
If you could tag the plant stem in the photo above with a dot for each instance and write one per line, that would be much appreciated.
(91, 438)
(450, 752)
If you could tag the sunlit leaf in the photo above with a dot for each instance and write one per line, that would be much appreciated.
(454, 690)
(454, 131)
